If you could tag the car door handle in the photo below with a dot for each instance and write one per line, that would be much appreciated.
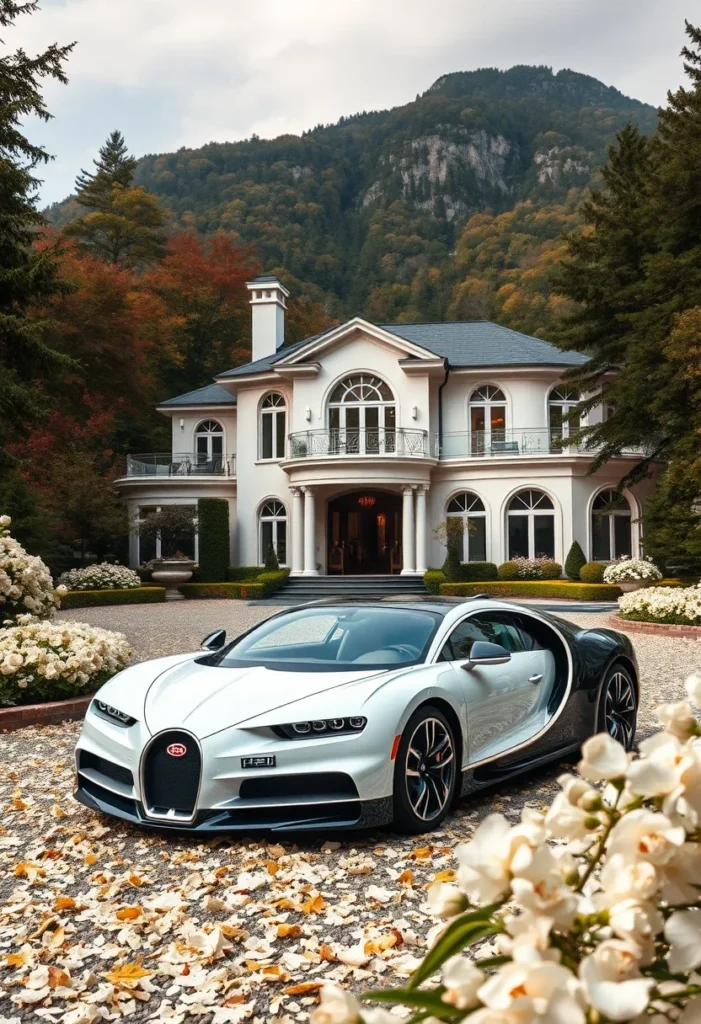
(536, 678)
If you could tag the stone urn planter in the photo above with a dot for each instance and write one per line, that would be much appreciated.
(171, 573)
(628, 585)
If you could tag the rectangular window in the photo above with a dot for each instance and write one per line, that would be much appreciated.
(601, 541)
(372, 433)
(266, 539)
(621, 535)
(518, 536)
(267, 437)
(279, 435)
(281, 547)
(544, 536)
(477, 539)
(390, 428)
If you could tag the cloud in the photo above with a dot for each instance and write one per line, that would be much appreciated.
(173, 73)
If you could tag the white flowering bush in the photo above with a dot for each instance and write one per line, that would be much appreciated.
(44, 661)
(632, 570)
(587, 913)
(26, 586)
(672, 605)
(104, 576)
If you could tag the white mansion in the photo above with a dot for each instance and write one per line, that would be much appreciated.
(346, 449)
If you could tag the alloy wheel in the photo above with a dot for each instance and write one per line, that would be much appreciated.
(430, 768)
(620, 709)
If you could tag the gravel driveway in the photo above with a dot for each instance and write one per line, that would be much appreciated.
(99, 920)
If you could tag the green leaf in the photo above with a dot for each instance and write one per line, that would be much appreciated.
(461, 932)
(430, 1001)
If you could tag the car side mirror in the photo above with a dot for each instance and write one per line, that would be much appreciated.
(214, 641)
(485, 653)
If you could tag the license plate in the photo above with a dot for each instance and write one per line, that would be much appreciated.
(258, 762)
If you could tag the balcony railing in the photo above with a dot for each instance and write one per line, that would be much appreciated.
(510, 444)
(309, 444)
(179, 465)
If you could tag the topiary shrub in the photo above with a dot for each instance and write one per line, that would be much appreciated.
(592, 572)
(574, 561)
(433, 580)
(508, 571)
(550, 570)
(474, 571)
(213, 528)
(452, 533)
(271, 562)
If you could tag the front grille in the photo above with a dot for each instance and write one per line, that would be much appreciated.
(111, 771)
(315, 784)
(171, 783)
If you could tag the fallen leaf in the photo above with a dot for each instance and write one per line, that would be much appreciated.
(314, 905)
(59, 978)
(374, 946)
(65, 903)
(90, 859)
(272, 866)
(327, 953)
(423, 853)
(448, 875)
(15, 960)
(406, 877)
(288, 931)
(129, 913)
(126, 975)
(303, 988)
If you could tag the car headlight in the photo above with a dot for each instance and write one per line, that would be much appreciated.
(321, 727)
(112, 714)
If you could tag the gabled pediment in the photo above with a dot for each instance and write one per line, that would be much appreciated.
(346, 332)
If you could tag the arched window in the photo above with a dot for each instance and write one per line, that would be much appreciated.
(273, 530)
(209, 439)
(273, 426)
(362, 416)
(610, 526)
(531, 525)
(561, 403)
(487, 419)
(470, 509)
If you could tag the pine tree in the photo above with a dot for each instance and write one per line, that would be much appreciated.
(28, 275)
(574, 561)
(114, 167)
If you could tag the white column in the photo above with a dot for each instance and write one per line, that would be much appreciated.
(297, 531)
(309, 533)
(408, 533)
(421, 558)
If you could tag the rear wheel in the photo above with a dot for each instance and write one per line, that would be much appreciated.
(425, 771)
(619, 706)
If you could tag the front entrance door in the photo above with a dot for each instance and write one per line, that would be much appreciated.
(364, 533)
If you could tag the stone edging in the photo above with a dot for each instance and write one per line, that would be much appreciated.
(655, 628)
(52, 713)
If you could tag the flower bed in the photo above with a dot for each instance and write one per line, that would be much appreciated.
(670, 605)
(632, 570)
(535, 588)
(93, 598)
(530, 569)
(104, 576)
(45, 661)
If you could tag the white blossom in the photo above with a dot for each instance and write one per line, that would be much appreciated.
(104, 576)
(337, 1006)
(612, 980)
(627, 570)
(683, 931)
(603, 758)
(462, 979)
(446, 900)
(485, 862)
(663, 604)
(26, 586)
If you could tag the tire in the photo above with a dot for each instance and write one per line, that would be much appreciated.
(618, 707)
(424, 788)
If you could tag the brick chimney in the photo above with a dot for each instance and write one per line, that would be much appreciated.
(268, 309)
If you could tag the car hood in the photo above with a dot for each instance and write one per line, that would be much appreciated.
(206, 699)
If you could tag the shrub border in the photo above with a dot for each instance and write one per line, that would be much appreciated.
(52, 713)
(209, 591)
(96, 598)
(655, 628)
(562, 589)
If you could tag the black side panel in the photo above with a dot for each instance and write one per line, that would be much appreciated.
(171, 783)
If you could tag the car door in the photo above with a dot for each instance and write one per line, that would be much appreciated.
(500, 699)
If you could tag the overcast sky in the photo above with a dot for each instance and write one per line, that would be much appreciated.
(172, 73)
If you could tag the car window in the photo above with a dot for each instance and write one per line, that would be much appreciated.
(530, 631)
(501, 628)
(460, 641)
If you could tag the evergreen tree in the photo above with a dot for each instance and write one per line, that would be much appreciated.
(574, 561)
(115, 167)
(28, 275)
(125, 223)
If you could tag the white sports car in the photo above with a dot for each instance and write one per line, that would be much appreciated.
(351, 714)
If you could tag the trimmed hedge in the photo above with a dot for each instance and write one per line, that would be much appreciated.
(433, 579)
(213, 530)
(536, 588)
(592, 572)
(273, 580)
(471, 572)
(92, 598)
(508, 571)
(243, 573)
(201, 591)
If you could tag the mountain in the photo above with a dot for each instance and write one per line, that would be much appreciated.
(367, 214)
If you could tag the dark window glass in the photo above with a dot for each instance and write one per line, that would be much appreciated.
(267, 439)
(217, 445)
(544, 536)
(280, 435)
(518, 536)
(266, 539)
(621, 535)
(531, 632)
(281, 549)
(202, 446)
(601, 542)
(477, 539)
(463, 637)
(501, 628)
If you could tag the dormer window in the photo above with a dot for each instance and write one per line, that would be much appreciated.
(209, 442)
(273, 426)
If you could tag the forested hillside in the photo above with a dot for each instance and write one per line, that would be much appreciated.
(420, 212)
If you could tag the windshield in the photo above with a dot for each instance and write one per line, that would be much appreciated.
(334, 640)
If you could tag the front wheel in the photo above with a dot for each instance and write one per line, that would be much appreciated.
(425, 771)
(619, 706)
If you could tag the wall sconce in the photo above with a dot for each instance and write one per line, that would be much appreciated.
(307, 414)
(414, 412)
(182, 424)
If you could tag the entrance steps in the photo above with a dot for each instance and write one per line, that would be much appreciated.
(314, 588)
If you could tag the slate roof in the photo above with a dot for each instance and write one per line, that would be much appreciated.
(481, 343)
(210, 394)
(264, 364)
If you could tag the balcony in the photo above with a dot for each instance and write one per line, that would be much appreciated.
(338, 443)
(165, 464)
(511, 444)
